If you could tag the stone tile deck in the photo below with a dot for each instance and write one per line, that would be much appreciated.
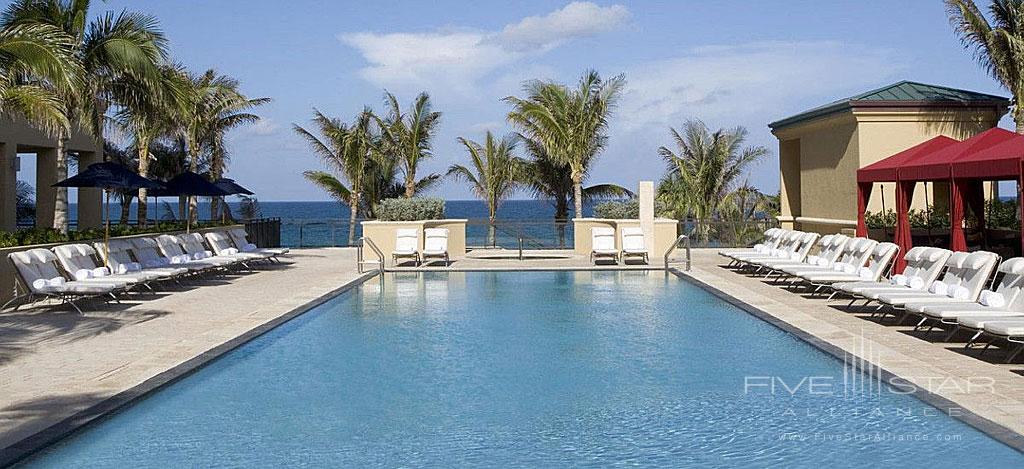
(978, 389)
(59, 369)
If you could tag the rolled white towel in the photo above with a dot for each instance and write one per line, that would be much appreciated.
(100, 272)
(839, 266)
(760, 248)
(231, 251)
(121, 268)
(39, 283)
(176, 260)
(207, 254)
(849, 268)
(198, 256)
(899, 279)
(959, 292)
(938, 288)
(55, 282)
(83, 274)
(992, 299)
(250, 247)
(916, 283)
(793, 255)
(813, 260)
(865, 273)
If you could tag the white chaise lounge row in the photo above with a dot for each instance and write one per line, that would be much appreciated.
(975, 292)
(74, 271)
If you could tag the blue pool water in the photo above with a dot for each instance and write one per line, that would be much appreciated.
(528, 369)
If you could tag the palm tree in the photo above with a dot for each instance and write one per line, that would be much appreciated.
(408, 135)
(37, 67)
(123, 157)
(704, 169)
(569, 124)
(553, 181)
(998, 46)
(347, 150)
(213, 106)
(24, 201)
(495, 174)
(108, 48)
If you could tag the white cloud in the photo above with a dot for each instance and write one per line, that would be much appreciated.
(459, 59)
(757, 79)
(263, 127)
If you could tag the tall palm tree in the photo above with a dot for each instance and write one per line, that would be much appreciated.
(109, 47)
(37, 67)
(495, 173)
(998, 45)
(553, 181)
(408, 135)
(214, 105)
(704, 169)
(347, 150)
(569, 123)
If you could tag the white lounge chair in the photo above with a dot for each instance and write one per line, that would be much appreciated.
(789, 249)
(828, 248)
(924, 265)
(149, 253)
(173, 248)
(633, 243)
(1011, 331)
(602, 243)
(435, 244)
(221, 244)
(805, 243)
(772, 237)
(877, 264)
(194, 246)
(407, 245)
(966, 276)
(119, 260)
(1004, 302)
(79, 261)
(241, 240)
(38, 277)
(855, 253)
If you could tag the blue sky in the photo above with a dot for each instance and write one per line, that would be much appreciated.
(727, 62)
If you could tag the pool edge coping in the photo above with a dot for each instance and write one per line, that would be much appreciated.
(27, 446)
(990, 428)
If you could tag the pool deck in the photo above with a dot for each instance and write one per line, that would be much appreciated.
(59, 370)
(979, 390)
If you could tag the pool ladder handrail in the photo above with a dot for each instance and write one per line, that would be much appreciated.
(360, 259)
(674, 246)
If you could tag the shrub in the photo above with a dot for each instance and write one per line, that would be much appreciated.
(627, 209)
(32, 236)
(414, 209)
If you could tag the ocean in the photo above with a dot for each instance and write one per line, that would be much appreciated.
(317, 224)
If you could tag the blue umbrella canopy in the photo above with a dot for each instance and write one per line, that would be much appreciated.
(189, 183)
(109, 176)
(231, 187)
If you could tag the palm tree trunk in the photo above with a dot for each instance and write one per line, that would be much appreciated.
(126, 208)
(491, 215)
(143, 209)
(1018, 118)
(410, 185)
(353, 210)
(577, 190)
(216, 171)
(60, 206)
(193, 201)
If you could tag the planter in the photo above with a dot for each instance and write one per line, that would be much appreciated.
(383, 233)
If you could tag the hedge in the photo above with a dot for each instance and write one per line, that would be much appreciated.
(414, 209)
(32, 236)
(625, 209)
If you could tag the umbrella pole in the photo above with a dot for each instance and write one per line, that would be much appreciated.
(106, 233)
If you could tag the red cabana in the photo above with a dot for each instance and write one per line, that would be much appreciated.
(1002, 162)
(886, 171)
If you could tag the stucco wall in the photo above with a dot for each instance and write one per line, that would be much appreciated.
(382, 233)
(665, 232)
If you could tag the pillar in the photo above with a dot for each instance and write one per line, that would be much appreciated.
(90, 201)
(46, 194)
(8, 186)
(646, 194)
(789, 183)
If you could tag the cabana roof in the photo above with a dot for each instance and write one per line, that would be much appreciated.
(937, 164)
(998, 162)
(885, 170)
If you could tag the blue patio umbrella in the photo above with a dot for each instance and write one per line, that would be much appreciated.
(231, 187)
(109, 177)
(191, 184)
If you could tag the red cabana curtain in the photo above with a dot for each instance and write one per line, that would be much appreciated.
(863, 195)
(904, 194)
(957, 190)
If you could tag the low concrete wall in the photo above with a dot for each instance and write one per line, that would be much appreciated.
(382, 233)
(665, 232)
(7, 275)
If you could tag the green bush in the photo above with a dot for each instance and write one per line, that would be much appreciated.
(32, 236)
(1002, 215)
(627, 209)
(414, 209)
(918, 219)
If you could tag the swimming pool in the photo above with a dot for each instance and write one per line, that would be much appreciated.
(534, 369)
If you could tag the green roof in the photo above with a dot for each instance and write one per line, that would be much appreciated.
(903, 93)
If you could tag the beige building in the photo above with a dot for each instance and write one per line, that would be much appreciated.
(820, 150)
(17, 137)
